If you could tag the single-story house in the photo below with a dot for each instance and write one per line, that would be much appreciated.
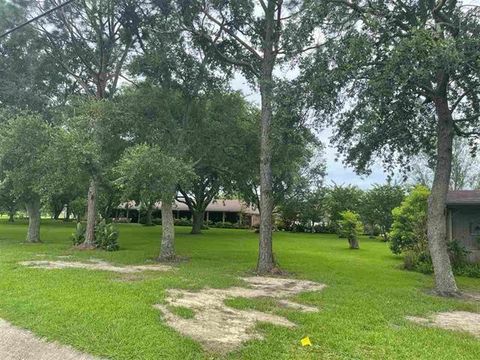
(219, 210)
(463, 220)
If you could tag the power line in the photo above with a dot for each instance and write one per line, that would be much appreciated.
(36, 18)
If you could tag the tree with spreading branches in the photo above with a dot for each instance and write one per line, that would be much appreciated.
(91, 41)
(403, 78)
(24, 143)
(155, 175)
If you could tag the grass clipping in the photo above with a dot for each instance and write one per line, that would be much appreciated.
(220, 328)
(95, 265)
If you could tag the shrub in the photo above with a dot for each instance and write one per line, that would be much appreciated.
(423, 264)
(183, 222)
(350, 227)
(410, 260)
(298, 227)
(409, 229)
(157, 221)
(224, 225)
(106, 236)
(457, 253)
(409, 237)
(470, 270)
(78, 237)
(324, 228)
(122, 220)
(424, 267)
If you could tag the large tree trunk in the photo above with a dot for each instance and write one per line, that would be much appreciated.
(437, 219)
(67, 213)
(33, 210)
(56, 214)
(266, 262)
(197, 225)
(148, 216)
(167, 250)
(91, 216)
(11, 216)
(353, 242)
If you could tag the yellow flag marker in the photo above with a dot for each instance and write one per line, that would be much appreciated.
(306, 341)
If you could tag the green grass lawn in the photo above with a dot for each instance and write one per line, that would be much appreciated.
(361, 311)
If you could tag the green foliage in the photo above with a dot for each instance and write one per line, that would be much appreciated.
(78, 207)
(84, 47)
(24, 142)
(350, 227)
(469, 270)
(69, 156)
(106, 236)
(151, 172)
(224, 225)
(409, 228)
(8, 200)
(78, 237)
(371, 82)
(409, 237)
(183, 222)
(294, 150)
(377, 205)
(30, 79)
(458, 253)
(342, 198)
(421, 262)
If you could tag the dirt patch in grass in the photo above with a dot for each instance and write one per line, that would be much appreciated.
(296, 306)
(221, 328)
(471, 296)
(19, 344)
(455, 320)
(97, 265)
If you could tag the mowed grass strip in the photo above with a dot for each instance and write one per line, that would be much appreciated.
(362, 310)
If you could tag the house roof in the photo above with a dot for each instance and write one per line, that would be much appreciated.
(463, 197)
(220, 205)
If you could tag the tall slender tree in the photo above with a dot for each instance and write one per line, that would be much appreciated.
(254, 37)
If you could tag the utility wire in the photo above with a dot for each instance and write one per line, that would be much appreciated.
(36, 18)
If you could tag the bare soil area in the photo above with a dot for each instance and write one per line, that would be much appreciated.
(221, 328)
(455, 320)
(97, 265)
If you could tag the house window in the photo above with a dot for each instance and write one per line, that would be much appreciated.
(475, 228)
